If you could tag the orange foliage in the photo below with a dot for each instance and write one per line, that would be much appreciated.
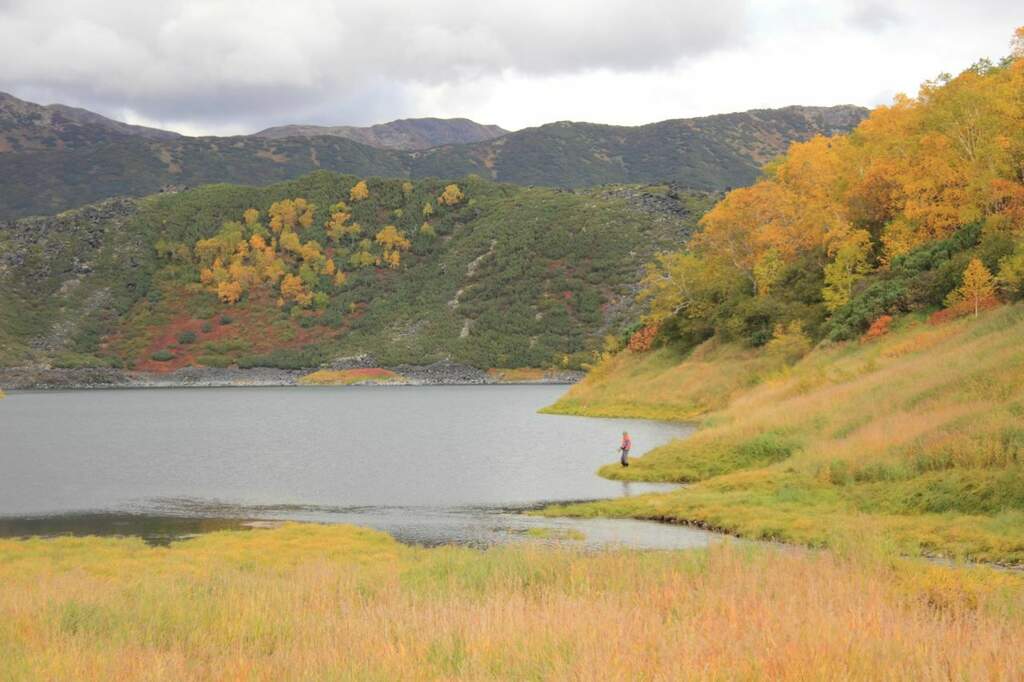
(642, 340)
(879, 327)
(229, 292)
(293, 289)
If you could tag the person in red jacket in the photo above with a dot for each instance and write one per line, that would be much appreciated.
(627, 443)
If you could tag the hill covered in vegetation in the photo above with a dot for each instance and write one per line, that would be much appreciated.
(405, 134)
(51, 161)
(299, 273)
(897, 254)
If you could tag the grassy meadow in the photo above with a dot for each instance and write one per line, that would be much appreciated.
(337, 602)
(917, 436)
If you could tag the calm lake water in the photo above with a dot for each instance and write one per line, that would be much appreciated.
(430, 464)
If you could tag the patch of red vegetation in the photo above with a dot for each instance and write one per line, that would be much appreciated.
(184, 353)
(256, 321)
(962, 310)
(879, 327)
(642, 340)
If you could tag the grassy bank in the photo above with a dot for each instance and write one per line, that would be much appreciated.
(312, 602)
(347, 377)
(663, 384)
(917, 435)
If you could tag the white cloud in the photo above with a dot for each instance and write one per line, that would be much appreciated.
(223, 66)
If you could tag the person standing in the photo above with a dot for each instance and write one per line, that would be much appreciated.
(627, 443)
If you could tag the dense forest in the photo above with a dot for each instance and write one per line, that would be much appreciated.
(921, 207)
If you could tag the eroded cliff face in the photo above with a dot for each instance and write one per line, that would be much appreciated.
(55, 277)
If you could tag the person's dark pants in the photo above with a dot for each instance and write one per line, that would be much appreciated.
(625, 457)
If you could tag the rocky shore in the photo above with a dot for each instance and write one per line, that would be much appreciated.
(437, 374)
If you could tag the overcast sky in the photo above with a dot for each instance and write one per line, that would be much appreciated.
(223, 66)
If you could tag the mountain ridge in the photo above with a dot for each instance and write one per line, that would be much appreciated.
(42, 175)
(404, 134)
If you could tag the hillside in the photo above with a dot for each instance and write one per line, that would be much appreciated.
(914, 437)
(709, 154)
(489, 275)
(850, 330)
(405, 134)
(27, 127)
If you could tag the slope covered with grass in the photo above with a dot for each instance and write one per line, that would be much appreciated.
(917, 436)
(505, 277)
(320, 602)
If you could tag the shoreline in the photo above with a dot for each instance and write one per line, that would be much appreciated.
(437, 374)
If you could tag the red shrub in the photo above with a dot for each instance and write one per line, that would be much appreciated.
(961, 310)
(643, 339)
(879, 327)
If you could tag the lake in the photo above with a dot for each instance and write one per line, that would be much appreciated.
(429, 464)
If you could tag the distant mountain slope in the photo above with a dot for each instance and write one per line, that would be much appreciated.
(405, 134)
(507, 276)
(25, 126)
(710, 153)
(55, 162)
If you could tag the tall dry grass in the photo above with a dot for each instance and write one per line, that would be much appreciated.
(664, 385)
(309, 602)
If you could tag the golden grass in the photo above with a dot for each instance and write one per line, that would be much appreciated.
(313, 602)
(918, 436)
(661, 385)
(514, 375)
(346, 377)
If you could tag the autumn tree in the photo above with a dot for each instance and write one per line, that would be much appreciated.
(1011, 272)
(359, 191)
(229, 292)
(292, 288)
(976, 286)
(451, 195)
(851, 262)
(789, 342)
(290, 214)
(392, 242)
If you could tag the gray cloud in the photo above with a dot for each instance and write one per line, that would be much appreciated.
(875, 16)
(263, 62)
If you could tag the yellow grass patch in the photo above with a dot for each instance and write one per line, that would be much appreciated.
(518, 374)
(345, 377)
(313, 602)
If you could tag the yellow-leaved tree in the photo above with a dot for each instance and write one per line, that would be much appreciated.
(451, 195)
(392, 242)
(849, 264)
(977, 286)
(359, 192)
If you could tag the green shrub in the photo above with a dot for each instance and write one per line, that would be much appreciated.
(162, 355)
(226, 319)
(207, 327)
(187, 337)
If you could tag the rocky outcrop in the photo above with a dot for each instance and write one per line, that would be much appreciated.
(442, 373)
